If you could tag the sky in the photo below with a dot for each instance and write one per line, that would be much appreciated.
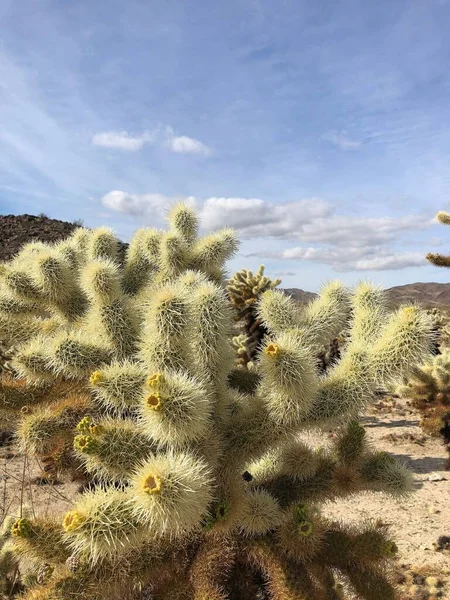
(319, 130)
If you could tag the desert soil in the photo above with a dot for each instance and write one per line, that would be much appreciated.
(417, 521)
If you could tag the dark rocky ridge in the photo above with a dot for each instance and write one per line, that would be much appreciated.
(16, 230)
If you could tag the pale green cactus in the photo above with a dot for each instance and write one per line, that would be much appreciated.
(428, 388)
(72, 308)
(210, 479)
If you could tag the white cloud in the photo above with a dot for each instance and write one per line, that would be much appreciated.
(360, 231)
(341, 140)
(370, 258)
(141, 205)
(121, 140)
(347, 243)
(182, 144)
(164, 136)
(254, 217)
(306, 220)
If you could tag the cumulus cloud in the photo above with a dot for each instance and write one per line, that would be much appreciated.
(183, 144)
(254, 217)
(360, 231)
(307, 220)
(346, 243)
(163, 136)
(141, 205)
(341, 140)
(121, 140)
(356, 259)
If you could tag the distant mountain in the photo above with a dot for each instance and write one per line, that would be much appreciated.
(429, 295)
(300, 295)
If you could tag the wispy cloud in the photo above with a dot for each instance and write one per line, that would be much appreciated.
(341, 140)
(163, 136)
(121, 140)
(369, 258)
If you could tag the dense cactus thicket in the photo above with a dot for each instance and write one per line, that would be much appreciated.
(205, 486)
(70, 306)
(429, 390)
(429, 385)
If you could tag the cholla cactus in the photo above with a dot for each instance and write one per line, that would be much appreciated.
(206, 491)
(245, 288)
(439, 259)
(441, 329)
(73, 307)
(429, 390)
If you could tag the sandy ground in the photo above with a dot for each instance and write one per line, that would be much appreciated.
(417, 521)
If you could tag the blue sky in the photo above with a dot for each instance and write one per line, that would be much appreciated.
(320, 130)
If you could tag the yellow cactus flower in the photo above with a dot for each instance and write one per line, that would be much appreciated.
(84, 424)
(96, 378)
(21, 528)
(95, 429)
(72, 520)
(84, 443)
(273, 350)
(155, 380)
(154, 401)
(152, 484)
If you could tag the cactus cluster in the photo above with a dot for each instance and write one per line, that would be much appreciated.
(429, 389)
(245, 289)
(72, 306)
(429, 386)
(205, 485)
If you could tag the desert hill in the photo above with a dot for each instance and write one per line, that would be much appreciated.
(16, 230)
(430, 295)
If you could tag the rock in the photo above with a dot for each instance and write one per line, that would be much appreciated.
(17, 230)
(436, 477)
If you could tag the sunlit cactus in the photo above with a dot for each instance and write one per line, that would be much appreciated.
(429, 387)
(78, 315)
(429, 390)
(440, 260)
(205, 485)
(245, 288)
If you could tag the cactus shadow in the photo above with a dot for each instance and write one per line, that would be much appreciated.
(422, 464)
(369, 421)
